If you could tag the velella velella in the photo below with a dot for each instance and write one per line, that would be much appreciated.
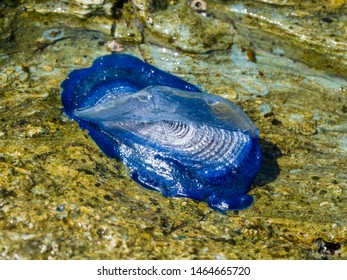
(173, 137)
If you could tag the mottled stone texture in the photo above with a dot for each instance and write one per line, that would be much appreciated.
(61, 198)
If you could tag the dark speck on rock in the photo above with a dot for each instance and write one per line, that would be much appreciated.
(60, 208)
(108, 197)
(327, 20)
(276, 122)
(7, 193)
(328, 247)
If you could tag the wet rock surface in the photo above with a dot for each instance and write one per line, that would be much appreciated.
(61, 198)
(312, 32)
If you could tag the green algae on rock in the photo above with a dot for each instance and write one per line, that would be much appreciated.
(179, 26)
(308, 31)
(61, 198)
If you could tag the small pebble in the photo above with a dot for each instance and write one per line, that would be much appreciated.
(199, 5)
(265, 109)
(60, 208)
(114, 46)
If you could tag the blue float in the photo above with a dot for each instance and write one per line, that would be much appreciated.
(173, 137)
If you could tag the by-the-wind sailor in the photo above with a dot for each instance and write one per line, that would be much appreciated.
(173, 138)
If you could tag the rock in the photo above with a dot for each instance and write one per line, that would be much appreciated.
(61, 198)
(307, 31)
(181, 27)
(80, 8)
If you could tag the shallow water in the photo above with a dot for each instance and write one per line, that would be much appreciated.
(61, 198)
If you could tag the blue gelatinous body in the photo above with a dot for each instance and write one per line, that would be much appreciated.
(173, 138)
